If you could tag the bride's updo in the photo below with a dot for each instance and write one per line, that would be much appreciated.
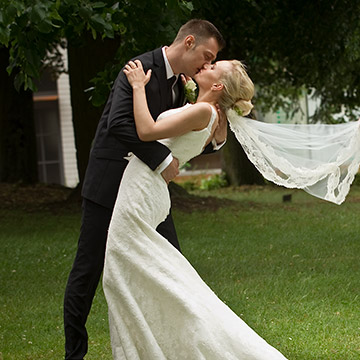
(238, 90)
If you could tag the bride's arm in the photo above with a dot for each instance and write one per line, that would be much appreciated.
(195, 117)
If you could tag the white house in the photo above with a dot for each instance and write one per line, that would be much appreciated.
(54, 132)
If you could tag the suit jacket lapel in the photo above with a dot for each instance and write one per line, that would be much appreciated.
(160, 72)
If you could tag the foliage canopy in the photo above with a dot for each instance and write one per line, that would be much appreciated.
(289, 47)
(292, 46)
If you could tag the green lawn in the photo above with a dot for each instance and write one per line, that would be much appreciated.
(290, 270)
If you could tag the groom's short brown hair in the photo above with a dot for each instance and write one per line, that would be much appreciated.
(201, 30)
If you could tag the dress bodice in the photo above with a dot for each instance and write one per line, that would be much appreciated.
(191, 144)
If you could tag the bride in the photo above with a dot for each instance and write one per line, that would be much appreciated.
(159, 307)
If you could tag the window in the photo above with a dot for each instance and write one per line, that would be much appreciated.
(47, 129)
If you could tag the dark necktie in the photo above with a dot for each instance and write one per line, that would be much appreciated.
(170, 84)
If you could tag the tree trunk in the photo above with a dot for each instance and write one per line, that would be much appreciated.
(18, 159)
(85, 61)
(237, 166)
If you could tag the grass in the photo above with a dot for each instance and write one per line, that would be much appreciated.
(290, 270)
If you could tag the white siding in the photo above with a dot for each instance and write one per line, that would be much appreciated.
(71, 177)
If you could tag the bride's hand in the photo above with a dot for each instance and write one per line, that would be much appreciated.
(185, 79)
(136, 75)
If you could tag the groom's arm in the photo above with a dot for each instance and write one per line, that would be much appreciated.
(121, 124)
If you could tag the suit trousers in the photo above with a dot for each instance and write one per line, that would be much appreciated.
(86, 271)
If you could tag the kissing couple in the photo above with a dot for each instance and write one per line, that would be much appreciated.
(159, 307)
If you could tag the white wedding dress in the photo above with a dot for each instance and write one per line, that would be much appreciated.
(159, 307)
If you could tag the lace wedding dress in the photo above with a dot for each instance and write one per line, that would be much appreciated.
(159, 307)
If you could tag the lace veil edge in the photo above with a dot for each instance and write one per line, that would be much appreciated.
(321, 159)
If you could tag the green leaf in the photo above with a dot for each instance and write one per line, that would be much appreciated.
(37, 14)
(117, 17)
(30, 84)
(31, 70)
(98, 5)
(11, 11)
(56, 16)
(4, 35)
(186, 6)
(11, 65)
(32, 57)
(109, 33)
(99, 24)
(97, 99)
(19, 5)
(45, 26)
(19, 80)
(93, 33)
(172, 4)
(85, 12)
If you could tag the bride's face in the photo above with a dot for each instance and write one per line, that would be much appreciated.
(211, 74)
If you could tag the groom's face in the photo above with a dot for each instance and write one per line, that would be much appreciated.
(198, 55)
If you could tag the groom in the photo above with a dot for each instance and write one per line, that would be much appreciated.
(196, 44)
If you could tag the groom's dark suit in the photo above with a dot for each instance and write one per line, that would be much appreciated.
(116, 134)
(115, 137)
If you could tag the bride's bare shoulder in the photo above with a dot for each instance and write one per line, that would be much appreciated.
(202, 109)
(201, 113)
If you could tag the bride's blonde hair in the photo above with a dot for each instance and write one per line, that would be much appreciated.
(238, 89)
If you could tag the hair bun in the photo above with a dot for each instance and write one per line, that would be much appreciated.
(243, 107)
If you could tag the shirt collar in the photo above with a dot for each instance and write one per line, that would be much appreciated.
(169, 70)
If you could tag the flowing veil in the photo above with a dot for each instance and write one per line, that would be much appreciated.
(321, 159)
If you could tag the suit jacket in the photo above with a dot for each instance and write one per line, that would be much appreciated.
(116, 133)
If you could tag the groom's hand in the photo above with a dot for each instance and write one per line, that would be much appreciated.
(171, 171)
(220, 133)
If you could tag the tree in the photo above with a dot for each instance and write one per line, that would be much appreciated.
(292, 46)
(24, 31)
(84, 66)
(33, 32)
(128, 36)
(288, 47)
(17, 136)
